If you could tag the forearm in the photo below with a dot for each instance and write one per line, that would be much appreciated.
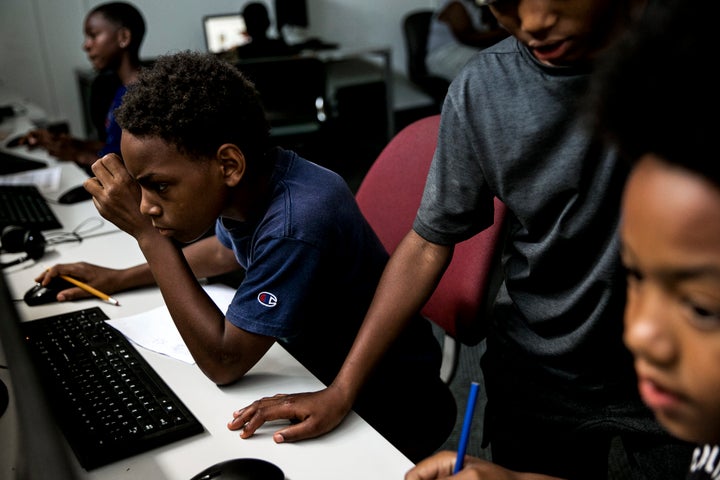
(82, 152)
(87, 156)
(408, 281)
(135, 277)
(208, 257)
(199, 321)
(204, 259)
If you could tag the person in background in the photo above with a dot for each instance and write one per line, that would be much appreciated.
(561, 388)
(656, 98)
(257, 23)
(458, 30)
(113, 34)
(195, 153)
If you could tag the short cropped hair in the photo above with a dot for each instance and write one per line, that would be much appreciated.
(196, 102)
(658, 91)
(257, 19)
(127, 16)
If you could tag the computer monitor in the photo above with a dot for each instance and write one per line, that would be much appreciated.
(292, 13)
(224, 31)
(42, 452)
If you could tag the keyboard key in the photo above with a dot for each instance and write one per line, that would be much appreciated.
(108, 401)
(24, 206)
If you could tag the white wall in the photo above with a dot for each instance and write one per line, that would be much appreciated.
(41, 40)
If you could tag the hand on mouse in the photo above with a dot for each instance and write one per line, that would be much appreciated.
(15, 141)
(38, 138)
(61, 145)
(105, 279)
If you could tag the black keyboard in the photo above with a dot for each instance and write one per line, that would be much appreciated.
(109, 403)
(11, 163)
(24, 206)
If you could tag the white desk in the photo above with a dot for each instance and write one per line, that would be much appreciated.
(352, 451)
(71, 175)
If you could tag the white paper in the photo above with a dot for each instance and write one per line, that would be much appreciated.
(156, 331)
(46, 179)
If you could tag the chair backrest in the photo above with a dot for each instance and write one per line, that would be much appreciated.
(292, 88)
(389, 196)
(416, 28)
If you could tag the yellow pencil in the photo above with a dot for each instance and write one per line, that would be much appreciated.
(92, 290)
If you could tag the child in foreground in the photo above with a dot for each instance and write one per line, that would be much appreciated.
(657, 99)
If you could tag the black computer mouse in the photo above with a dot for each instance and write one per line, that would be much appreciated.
(40, 295)
(15, 141)
(74, 195)
(242, 469)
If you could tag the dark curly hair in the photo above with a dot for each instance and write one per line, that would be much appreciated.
(657, 90)
(196, 102)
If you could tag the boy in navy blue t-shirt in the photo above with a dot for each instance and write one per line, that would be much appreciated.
(195, 156)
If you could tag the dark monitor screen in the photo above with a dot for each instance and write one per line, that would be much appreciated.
(223, 32)
(291, 12)
(42, 452)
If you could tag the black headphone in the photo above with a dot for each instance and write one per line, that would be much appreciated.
(16, 239)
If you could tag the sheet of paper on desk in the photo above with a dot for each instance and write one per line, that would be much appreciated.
(156, 331)
(46, 179)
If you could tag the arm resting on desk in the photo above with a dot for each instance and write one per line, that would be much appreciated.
(414, 268)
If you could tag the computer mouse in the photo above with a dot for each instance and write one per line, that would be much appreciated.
(242, 469)
(15, 141)
(74, 195)
(40, 295)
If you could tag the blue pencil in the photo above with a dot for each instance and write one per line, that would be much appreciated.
(467, 425)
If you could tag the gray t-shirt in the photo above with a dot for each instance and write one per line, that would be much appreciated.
(512, 128)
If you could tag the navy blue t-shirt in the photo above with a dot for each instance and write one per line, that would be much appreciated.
(112, 129)
(312, 263)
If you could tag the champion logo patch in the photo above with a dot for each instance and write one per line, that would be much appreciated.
(267, 299)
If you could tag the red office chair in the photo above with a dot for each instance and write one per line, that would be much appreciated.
(389, 196)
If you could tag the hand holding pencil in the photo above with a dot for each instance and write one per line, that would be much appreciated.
(89, 289)
(467, 427)
(84, 286)
(448, 464)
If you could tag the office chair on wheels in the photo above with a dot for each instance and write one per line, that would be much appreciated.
(389, 196)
